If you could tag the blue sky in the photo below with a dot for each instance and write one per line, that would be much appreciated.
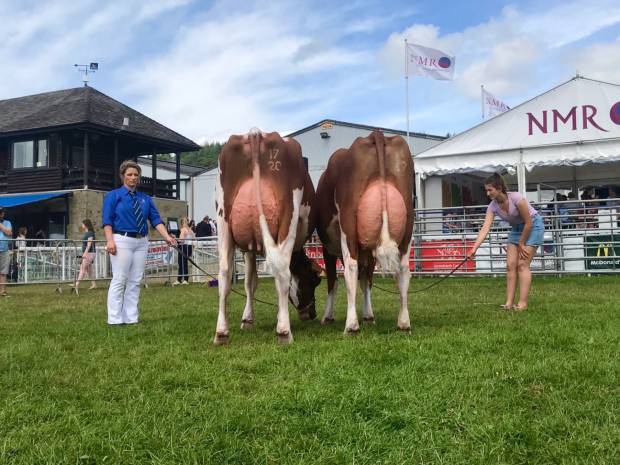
(209, 69)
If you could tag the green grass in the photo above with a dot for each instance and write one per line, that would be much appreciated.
(470, 385)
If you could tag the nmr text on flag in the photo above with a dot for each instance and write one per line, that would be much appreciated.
(492, 106)
(429, 62)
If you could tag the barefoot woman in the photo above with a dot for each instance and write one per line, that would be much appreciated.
(526, 235)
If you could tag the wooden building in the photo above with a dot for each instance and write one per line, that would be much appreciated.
(60, 152)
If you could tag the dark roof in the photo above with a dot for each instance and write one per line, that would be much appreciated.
(366, 127)
(189, 170)
(83, 105)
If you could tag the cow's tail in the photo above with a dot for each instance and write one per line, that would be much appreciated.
(273, 261)
(387, 252)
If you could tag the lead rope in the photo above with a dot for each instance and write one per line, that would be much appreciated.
(462, 262)
(232, 289)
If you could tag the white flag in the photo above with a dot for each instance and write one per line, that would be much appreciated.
(424, 61)
(491, 105)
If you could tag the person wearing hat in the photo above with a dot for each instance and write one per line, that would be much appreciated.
(6, 233)
(125, 215)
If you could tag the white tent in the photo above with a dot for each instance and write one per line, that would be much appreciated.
(573, 124)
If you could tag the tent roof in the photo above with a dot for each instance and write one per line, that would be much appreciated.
(574, 123)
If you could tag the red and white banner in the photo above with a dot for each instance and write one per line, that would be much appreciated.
(446, 254)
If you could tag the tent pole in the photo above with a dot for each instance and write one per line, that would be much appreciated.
(521, 183)
(419, 191)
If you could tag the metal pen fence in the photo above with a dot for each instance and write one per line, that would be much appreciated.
(580, 237)
(59, 262)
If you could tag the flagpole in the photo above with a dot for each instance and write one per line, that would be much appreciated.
(482, 99)
(407, 94)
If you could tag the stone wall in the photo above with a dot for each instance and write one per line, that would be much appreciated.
(87, 204)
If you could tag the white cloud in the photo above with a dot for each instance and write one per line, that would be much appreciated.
(227, 73)
(282, 65)
(44, 39)
(570, 22)
(513, 52)
(599, 61)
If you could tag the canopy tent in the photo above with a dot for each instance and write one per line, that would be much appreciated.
(8, 201)
(575, 123)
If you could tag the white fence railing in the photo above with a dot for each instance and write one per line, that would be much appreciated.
(580, 237)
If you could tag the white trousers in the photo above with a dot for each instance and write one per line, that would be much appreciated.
(127, 270)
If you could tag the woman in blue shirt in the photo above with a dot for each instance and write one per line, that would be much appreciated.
(125, 215)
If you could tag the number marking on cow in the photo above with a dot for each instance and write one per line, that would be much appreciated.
(274, 163)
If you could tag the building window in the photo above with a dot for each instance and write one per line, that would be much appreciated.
(30, 154)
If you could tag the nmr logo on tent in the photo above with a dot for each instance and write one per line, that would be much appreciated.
(578, 117)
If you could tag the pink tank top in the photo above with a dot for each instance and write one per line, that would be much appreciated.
(513, 216)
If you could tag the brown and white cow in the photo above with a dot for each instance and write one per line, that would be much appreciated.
(365, 214)
(264, 205)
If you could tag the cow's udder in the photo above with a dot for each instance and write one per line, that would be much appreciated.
(244, 223)
(369, 218)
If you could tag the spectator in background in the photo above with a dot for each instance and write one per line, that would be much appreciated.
(589, 210)
(569, 211)
(614, 203)
(204, 228)
(213, 227)
(20, 241)
(612, 198)
(6, 233)
(40, 238)
(192, 226)
(88, 254)
(186, 239)
(450, 224)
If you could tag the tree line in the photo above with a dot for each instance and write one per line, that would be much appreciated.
(206, 156)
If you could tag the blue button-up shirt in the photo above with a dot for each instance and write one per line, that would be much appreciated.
(118, 211)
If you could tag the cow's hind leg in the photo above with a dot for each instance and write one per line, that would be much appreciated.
(350, 277)
(403, 275)
(332, 287)
(366, 272)
(226, 248)
(283, 328)
(251, 282)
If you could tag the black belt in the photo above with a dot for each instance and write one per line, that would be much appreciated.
(135, 235)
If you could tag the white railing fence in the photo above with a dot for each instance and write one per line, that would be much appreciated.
(580, 237)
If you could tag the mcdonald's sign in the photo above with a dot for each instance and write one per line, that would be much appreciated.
(602, 252)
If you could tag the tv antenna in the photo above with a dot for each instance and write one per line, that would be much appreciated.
(85, 69)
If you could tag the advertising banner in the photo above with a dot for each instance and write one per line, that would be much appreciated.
(158, 256)
(315, 253)
(602, 252)
(446, 254)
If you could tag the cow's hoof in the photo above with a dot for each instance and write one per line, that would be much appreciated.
(247, 324)
(285, 337)
(404, 328)
(221, 339)
(354, 331)
(327, 321)
(369, 320)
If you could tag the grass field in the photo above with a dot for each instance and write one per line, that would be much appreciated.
(470, 385)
